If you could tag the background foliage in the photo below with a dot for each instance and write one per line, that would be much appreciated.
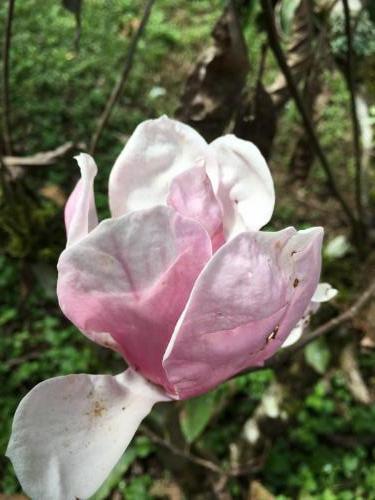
(314, 428)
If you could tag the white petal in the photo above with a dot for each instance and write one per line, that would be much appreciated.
(337, 248)
(158, 151)
(69, 432)
(245, 187)
(80, 211)
(295, 334)
(324, 292)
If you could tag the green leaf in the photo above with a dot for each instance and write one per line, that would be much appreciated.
(196, 414)
(7, 315)
(317, 355)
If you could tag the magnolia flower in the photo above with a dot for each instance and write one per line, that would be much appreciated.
(180, 281)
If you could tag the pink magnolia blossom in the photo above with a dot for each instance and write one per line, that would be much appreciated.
(180, 281)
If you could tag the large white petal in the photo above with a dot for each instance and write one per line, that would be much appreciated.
(155, 154)
(69, 432)
(243, 184)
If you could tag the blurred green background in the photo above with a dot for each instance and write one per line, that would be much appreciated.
(316, 428)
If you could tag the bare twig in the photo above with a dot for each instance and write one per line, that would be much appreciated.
(12, 363)
(262, 65)
(42, 158)
(77, 36)
(280, 57)
(5, 97)
(206, 464)
(353, 110)
(239, 470)
(117, 89)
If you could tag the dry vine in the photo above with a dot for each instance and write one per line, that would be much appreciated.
(117, 89)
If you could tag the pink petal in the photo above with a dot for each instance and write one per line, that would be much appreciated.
(69, 432)
(158, 151)
(191, 194)
(244, 185)
(242, 307)
(80, 211)
(131, 278)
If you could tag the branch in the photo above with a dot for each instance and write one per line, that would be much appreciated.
(206, 464)
(280, 58)
(5, 97)
(354, 115)
(77, 36)
(308, 337)
(236, 471)
(117, 89)
(262, 65)
(12, 363)
(43, 158)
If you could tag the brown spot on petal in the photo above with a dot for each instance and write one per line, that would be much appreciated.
(295, 282)
(273, 334)
(98, 409)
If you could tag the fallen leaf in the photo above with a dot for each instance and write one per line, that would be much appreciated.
(54, 193)
(355, 382)
(166, 489)
(213, 89)
(258, 492)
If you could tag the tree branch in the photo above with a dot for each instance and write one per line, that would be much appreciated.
(353, 110)
(280, 58)
(232, 471)
(5, 97)
(117, 89)
(43, 158)
(206, 464)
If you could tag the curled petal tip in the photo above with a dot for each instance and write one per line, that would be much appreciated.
(245, 185)
(314, 231)
(311, 236)
(87, 164)
(324, 293)
(80, 211)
